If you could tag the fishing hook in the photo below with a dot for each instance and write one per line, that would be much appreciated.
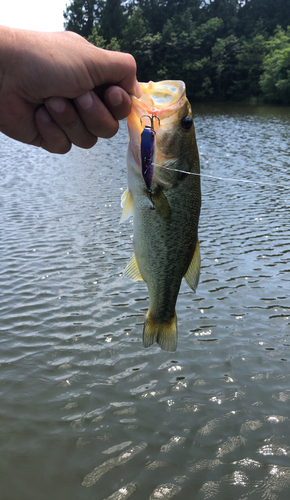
(151, 118)
(151, 199)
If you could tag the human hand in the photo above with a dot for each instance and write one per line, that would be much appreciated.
(56, 89)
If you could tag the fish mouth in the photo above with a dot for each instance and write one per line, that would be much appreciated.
(161, 99)
(157, 107)
(160, 96)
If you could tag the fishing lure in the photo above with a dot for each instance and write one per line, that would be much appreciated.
(148, 153)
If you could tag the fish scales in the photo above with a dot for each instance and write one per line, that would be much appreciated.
(165, 218)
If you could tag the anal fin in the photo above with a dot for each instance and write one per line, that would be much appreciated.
(132, 270)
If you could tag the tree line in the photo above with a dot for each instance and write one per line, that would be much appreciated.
(222, 49)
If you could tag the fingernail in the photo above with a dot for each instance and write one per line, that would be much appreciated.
(57, 104)
(116, 98)
(44, 115)
(85, 100)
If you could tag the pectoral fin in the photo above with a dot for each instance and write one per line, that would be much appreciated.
(132, 270)
(161, 204)
(128, 206)
(192, 274)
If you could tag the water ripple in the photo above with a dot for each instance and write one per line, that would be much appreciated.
(86, 411)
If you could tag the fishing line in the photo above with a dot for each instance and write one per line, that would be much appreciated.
(231, 179)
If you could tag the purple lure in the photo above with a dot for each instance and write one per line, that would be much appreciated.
(147, 154)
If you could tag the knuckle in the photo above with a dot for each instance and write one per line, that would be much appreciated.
(131, 61)
(71, 122)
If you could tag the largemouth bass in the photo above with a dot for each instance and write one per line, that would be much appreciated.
(165, 207)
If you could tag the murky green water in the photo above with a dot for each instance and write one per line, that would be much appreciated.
(86, 412)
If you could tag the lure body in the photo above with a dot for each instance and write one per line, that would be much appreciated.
(147, 155)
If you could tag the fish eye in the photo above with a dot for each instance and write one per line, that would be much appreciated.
(186, 122)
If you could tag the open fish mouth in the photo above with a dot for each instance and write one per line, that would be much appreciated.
(161, 99)
(157, 107)
(157, 95)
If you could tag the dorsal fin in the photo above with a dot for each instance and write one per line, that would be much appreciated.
(192, 274)
(128, 206)
(132, 270)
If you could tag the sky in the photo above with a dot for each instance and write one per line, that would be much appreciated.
(40, 15)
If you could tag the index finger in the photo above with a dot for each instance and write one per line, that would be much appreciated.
(119, 69)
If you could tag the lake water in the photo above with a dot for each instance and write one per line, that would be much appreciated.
(86, 412)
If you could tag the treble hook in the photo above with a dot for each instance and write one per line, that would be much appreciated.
(151, 118)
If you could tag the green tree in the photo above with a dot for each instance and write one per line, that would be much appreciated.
(224, 54)
(199, 72)
(97, 39)
(222, 49)
(249, 68)
(268, 13)
(227, 11)
(81, 15)
(275, 80)
(136, 28)
(112, 19)
(153, 11)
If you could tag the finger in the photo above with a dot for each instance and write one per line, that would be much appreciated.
(124, 74)
(68, 119)
(96, 116)
(50, 137)
(118, 102)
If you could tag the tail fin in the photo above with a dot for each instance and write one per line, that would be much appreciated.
(163, 333)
